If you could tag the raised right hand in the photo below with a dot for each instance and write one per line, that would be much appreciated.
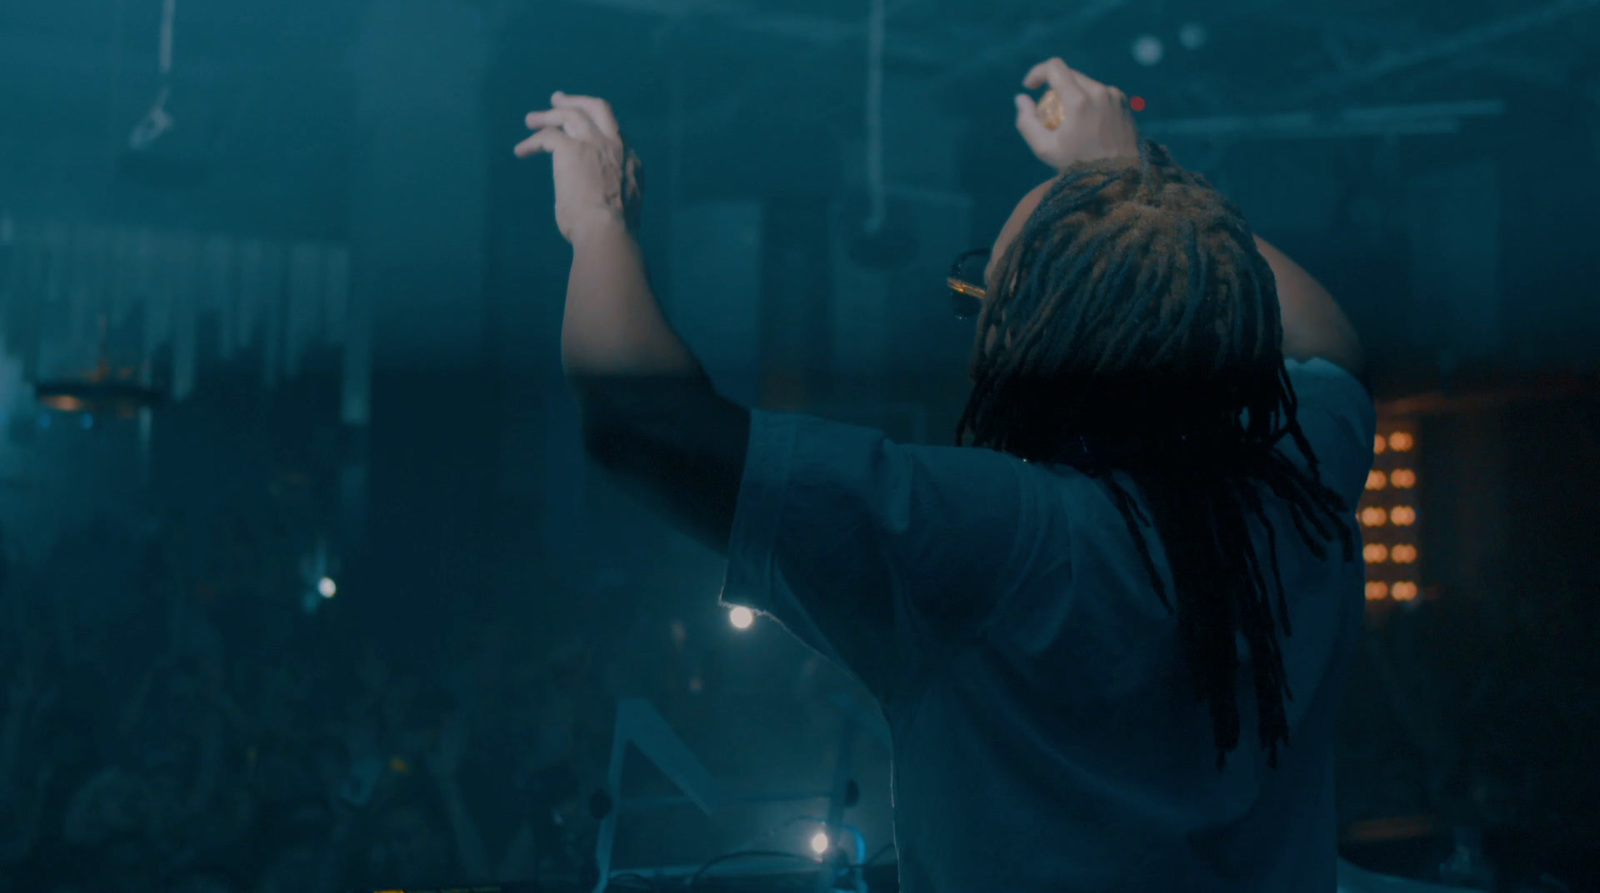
(1096, 121)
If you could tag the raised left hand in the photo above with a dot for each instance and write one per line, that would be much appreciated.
(1084, 121)
(596, 174)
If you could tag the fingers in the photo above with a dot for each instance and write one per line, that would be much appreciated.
(1037, 76)
(546, 140)
(573, 121)
(1066, 81)
(597, 109)
(1056, 74)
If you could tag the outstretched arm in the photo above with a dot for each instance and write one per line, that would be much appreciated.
(650, 413)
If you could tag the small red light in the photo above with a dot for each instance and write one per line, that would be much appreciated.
(1137, 103)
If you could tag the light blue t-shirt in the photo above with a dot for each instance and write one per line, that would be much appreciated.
(1046, 732)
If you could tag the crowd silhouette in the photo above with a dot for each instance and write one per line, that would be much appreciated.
(175, 720)
(164, 736)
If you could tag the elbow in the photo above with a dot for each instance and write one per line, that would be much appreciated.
(605, 437)
(1342, 348)
(601, 419)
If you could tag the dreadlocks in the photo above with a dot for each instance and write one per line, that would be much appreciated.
(1136, 330)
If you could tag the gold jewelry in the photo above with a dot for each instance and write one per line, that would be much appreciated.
(1050, 111)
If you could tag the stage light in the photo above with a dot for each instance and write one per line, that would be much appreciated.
(1404, 554)
(1148, 50)
(1193, 36)
(1377, 590)
(1404, 591)
(1400, 441)
(819, 843)
(1372, 516)
(741, 617)
(1403, 478)
(1403, 516)
(1379, 445)
(1375, 553)
(1376, 480)
(327, 587)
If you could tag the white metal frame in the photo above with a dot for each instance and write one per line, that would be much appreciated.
(640, 726)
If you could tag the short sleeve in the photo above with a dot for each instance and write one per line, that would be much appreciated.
(1340, 421)
(880, 555)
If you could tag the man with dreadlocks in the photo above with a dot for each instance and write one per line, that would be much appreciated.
(1139, 554)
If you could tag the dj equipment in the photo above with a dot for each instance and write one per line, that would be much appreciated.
(640, 727)
(880, 878)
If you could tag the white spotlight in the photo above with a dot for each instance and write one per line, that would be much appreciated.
(1193, 36)
(327, 587)
(1148, 50)
(741, 617)
(819, 843)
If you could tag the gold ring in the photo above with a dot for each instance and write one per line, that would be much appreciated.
(1050, 111)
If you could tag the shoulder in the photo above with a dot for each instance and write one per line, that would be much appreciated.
(1339, 419)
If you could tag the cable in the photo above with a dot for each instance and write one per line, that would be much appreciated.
(742, 854)
(886, 848)
(633, 881)
(157, 121)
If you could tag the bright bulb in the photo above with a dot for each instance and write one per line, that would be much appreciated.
(819, 843)
(741, 617)
(327, 587)
(1148, 50)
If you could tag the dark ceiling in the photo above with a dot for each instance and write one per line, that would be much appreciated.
(266, 86)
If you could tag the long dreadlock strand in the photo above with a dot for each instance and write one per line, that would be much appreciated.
(1141, 341)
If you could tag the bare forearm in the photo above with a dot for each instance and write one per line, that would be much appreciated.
(613, 324)
(650, 413)
(1313, 324)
